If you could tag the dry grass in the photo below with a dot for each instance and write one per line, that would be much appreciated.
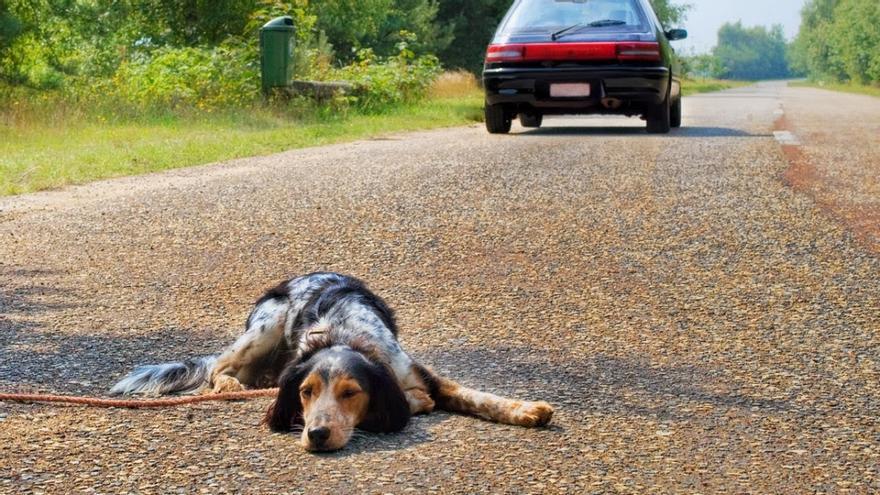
(453, 84)
(859, 89)
(708, 85)
(46, 146)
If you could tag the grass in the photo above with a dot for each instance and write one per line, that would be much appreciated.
(860, 89)
(39, 153)
(706, 85)
(47, 146)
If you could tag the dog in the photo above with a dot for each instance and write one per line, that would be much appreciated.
(330, 345)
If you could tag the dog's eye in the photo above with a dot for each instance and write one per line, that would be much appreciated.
(348, 394)
(306, 392)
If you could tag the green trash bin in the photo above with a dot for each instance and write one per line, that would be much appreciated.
(277, 39)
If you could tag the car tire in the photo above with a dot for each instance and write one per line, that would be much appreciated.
(498, 120)
(659, 121)
(531, 120)
(675, 114)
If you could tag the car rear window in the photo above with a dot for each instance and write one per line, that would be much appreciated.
(549, 16)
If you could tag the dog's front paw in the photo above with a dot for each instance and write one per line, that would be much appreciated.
(225, 384)
(532, 414)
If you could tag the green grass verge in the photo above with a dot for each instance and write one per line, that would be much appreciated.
(46, 153)
(844, 87)
(694, 86)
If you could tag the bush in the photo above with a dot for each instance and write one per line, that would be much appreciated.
(198, 77)
(380, 82)
(131, 55)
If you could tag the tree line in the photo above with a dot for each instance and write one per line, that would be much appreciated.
(744, 53)
(839, 40)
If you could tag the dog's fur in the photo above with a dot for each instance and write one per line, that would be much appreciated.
(330, 345)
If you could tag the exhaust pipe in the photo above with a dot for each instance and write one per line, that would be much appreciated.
(611, 103)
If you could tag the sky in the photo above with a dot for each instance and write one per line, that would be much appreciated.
(707, 16)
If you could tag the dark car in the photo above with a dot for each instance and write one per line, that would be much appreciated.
(582, 57)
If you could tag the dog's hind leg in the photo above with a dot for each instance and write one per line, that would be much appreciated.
(243, 363)
(454, 397)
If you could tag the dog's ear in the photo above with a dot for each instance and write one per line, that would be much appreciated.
(388, 410)
(287, 409)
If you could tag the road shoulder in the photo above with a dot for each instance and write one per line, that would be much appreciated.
(830, 141)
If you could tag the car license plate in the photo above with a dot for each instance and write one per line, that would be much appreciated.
(569, 90)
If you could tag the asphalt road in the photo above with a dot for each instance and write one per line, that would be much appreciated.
(701, 323)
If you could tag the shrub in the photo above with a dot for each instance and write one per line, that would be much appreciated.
(379, 82)
(199, 77)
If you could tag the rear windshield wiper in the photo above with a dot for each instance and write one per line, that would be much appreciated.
(555, 36)
(607, 22)
(603, 23)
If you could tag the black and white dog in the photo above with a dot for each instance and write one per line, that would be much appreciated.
(330, 345)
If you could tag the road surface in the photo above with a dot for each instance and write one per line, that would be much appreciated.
(703, 316)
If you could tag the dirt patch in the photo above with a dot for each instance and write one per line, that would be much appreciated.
(833, 197)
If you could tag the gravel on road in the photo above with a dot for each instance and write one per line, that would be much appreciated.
(700, 326)
(838, 161)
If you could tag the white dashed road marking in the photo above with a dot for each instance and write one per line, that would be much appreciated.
(786, 138)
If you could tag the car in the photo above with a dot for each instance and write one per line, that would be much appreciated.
(582, 57)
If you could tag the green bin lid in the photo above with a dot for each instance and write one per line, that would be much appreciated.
(283, 23)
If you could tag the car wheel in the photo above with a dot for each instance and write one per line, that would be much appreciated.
(659, 121)
(498, 121)
(675, 114)
(531, 120)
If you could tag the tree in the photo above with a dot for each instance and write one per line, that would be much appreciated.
(751, 53)
(472, 22)
(10, 26)
(812, 51)
(670, 14)
(855, 36)
(839, 40)
(378, 24)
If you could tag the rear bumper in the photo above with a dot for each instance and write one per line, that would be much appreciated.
(636, 87)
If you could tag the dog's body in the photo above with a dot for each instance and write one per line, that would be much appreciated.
(331, 346)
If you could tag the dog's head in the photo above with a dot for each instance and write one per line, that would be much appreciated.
(334, 391)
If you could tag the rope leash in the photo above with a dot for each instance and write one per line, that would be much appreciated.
(137, 403)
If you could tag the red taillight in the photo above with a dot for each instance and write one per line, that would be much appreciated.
(649, 52)
(540, 52)
(569, 51)
(504, 53)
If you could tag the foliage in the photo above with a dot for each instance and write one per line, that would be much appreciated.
(380, 82)
(472, 24)
(376, 24)
(189, 76)
(839, 41)
(750, 53)
(204, 53)
(704, 66)
(670, 14)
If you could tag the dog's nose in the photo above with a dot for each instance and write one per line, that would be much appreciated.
(319, 435)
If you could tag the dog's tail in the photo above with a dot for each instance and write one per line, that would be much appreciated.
(185, 377)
